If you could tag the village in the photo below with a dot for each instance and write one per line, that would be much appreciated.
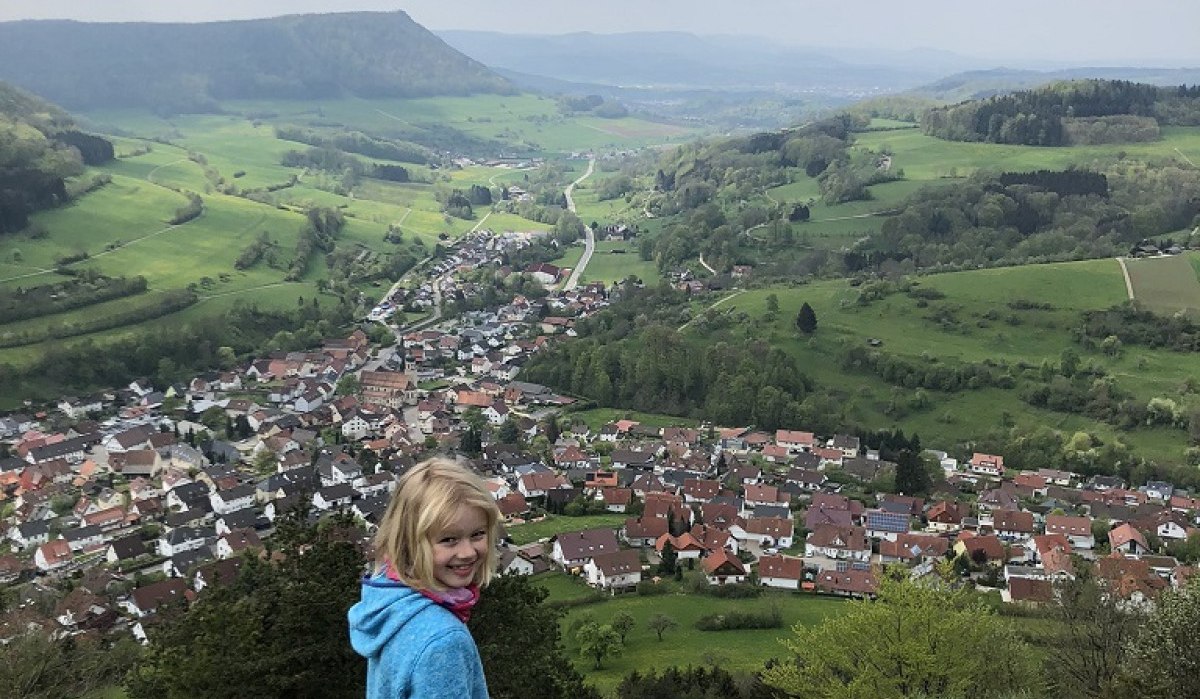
(146, 495)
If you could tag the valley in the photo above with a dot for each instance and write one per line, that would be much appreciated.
(866, 378)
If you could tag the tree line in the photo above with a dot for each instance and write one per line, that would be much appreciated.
(69, 368)
(1015, 218)
(359, 142)
(1041, 117)
(168, 302)
(85, 289)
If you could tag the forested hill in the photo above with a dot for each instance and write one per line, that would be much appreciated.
(1069, 113)
(39, 149)
(189, 67)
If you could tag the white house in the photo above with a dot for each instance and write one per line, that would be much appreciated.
(332, 496)
(784, 572)
(226, 501)
(182, 539)
(615, 570)
(573, 549)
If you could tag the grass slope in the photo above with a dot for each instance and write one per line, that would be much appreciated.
(1165, 284)
(927, 161)
(972, 323)
(684, 645)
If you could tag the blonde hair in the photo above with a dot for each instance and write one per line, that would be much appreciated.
(425, 503)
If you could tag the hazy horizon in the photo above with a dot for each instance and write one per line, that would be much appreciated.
(1021, 32)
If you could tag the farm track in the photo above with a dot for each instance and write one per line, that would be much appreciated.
(1128, 281)
(202, 299)
(589, 244)
(150, 174)
(717, 303)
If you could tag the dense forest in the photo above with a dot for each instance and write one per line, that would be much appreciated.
(1068, 113)
(39, 149)
(189, 67)
(1013, 218)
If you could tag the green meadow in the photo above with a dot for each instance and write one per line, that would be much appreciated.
(927, 161)
(972, 323)
(612, 261)
(736, 651)
(553, 525)
(596, 418)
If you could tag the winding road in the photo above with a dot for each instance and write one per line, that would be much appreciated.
(589, 241)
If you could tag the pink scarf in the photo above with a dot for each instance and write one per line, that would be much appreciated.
(460, 601)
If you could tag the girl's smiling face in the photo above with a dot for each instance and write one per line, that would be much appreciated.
(460, 548)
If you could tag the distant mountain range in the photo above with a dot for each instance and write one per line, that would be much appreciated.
(681, 61)
(189, 67)
(686, 61)
(978, 84)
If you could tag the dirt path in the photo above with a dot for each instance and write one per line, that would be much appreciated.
(718, 303)
(705, 266)
(150, 174)
(477, 225)
(1128, 281)
(242, 291)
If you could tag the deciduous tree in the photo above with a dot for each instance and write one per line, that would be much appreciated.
(623, 622)
(661, 623)
(917, 638)
(1163, 660)
(598, 641)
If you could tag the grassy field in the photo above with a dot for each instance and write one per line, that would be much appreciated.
(598, 417)
(684, 645)
(553, 525)
(608, 266)
(973, 323)
(927, 161)
(122, 227)
(1165, 284)
(530, 120)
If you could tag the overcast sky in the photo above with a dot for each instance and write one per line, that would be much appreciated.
(1142, 32)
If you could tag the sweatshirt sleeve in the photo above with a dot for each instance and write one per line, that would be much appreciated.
(449, 668)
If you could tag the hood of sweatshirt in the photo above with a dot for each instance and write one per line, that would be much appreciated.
(384, 610)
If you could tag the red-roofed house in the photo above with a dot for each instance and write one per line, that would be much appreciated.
(795, 441)
(1078, 530)
(1125, 539)
(723, 567)
(987, 464)
(52, 555)
(685, 545)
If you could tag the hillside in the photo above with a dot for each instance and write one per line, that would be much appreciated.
(1069, 113)
(979, 84)
(39, 149)
(189, 67)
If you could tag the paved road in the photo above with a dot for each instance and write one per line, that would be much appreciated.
(589, 240)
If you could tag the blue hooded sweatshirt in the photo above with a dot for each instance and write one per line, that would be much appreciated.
(415, 648)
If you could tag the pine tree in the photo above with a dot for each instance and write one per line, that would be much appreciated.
(806, 319)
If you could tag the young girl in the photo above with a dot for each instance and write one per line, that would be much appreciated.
(434, 549)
